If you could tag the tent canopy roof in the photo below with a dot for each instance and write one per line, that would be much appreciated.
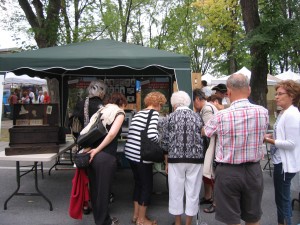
(243, 71)
(23, 79)
(289, 75)
(99, 53)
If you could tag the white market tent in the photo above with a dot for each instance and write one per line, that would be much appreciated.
(244, 71)
(207, 77)
(11, 78)
(289, 75)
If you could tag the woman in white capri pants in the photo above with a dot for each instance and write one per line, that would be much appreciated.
(182, 139)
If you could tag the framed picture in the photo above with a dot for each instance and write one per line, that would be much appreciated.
(49, 109)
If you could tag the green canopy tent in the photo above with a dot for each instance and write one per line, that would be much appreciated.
(98, 58)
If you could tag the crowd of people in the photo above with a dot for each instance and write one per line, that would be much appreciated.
(27, 96)
(219, 143)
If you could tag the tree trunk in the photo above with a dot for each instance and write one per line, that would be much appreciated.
(45, 28)
(259, 53)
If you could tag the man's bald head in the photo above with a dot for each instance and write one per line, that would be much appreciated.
(238, 81)
(238, 87)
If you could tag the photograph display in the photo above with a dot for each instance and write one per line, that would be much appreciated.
(77, 88)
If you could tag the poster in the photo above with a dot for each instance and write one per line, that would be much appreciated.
(78, 88)
(162, 87)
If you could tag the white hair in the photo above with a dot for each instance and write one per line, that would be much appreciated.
(180, 98)
(97, 88)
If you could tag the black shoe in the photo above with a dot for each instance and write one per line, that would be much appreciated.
(204, 201)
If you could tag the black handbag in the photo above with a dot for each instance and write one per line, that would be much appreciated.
(95, 133)
(150, 150)
(81, 160)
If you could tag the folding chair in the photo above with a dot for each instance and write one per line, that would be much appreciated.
(268, 163)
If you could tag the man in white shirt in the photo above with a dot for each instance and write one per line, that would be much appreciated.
(40, 98)
(31, 96)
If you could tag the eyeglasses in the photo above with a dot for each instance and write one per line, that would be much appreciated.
(280, 93)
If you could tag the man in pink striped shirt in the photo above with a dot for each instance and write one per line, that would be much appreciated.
(240, 131)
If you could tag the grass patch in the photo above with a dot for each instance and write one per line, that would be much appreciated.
(4, 135)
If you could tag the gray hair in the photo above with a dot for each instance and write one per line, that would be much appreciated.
(180, 98)
(97, 88)
(238, 81)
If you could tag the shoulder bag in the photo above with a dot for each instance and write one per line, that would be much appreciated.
(96, 132)
(150, 150)
(82, 159)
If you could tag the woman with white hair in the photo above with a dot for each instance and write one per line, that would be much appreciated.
(84, 110)
(182, 139)
(97, 92)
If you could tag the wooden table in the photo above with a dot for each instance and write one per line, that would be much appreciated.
(35, 158)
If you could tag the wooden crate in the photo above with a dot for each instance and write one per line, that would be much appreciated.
(33, 135)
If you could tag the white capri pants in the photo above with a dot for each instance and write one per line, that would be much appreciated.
(184, 178)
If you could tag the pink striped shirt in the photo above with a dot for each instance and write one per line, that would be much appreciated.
(240, 130)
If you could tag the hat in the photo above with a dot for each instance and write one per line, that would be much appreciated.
(220, 87)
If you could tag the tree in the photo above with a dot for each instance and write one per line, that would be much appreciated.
(221, 22)
(44, 27)
(258, 51)
(181, 33)
(281, 25)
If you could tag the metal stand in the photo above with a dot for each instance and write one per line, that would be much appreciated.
(62, 162)
(268, 163)
(295, 200)
(37, 193)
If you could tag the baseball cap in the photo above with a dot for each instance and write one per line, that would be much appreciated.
(220, 87)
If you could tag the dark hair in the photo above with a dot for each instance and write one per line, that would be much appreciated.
(215, 97)
(204, 83)
(197, 92)
(117, 98)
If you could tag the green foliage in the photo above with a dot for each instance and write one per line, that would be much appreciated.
(211, 32)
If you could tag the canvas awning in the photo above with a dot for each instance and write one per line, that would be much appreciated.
(98, 58)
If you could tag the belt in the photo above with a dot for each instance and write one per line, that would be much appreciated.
(241, 164)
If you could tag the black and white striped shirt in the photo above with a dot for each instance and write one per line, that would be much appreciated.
(138, 123)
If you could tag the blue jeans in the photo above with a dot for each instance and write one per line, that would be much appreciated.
(282, 185)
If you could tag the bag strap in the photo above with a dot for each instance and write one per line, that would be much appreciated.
(147, 126)
(149, 118)
(86, 112)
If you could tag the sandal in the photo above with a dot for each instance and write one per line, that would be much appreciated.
(210, 209)
(134, 219)
(146, 222)
(204, 201)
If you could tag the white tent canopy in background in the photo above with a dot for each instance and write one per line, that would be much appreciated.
(23, 79)
(289, 75)
(207, 77)
(244, 71)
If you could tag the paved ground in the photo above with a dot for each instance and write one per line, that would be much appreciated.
(34, 210)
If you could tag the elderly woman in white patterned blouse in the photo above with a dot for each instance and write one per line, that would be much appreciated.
(182, 139)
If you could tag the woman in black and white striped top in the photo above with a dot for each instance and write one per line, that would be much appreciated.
(142, 170)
